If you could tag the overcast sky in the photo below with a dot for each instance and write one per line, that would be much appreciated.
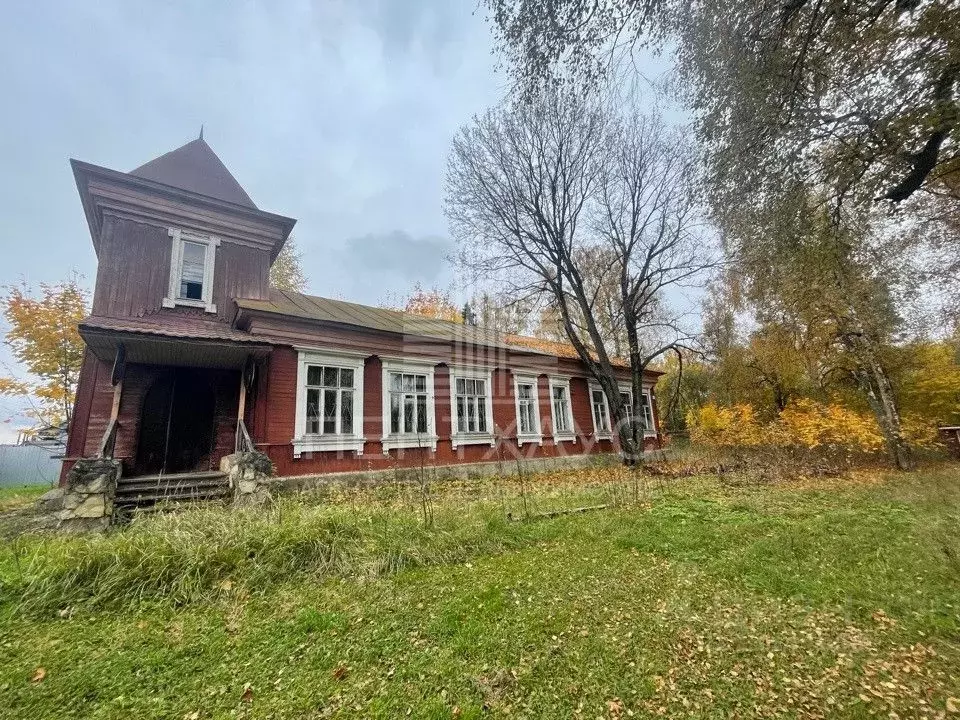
(337, 113)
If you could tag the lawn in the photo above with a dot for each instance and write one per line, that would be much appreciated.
(836, 598)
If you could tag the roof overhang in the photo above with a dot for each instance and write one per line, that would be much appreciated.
(152, 349)
(104, 191)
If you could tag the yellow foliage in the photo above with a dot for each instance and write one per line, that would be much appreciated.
(43, 336)
(804, 423)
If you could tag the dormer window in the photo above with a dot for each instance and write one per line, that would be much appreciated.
(192, 258)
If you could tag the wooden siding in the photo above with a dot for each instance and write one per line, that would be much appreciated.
(134, 272)
(274, 409)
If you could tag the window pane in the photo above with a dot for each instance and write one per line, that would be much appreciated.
(314, 374)
(346, 378)
(421, 383)
(330, 377)
(408, 383)
(421, 413)
(480, 387)
(194, 255)
(329, 411)
(461, 414)
(471, 415)
(481, 414)
(346, 412)
(394, 413)
(191, 271)
(408, 414)
(395, 382)
(313, 411)
(524, 392)
(461, 386)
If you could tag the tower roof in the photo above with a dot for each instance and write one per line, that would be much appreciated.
(196, 167)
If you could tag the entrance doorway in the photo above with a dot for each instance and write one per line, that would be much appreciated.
(176, 424)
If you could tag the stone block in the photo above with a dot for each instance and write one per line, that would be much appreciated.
(91, 507)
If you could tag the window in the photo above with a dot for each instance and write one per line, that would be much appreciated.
(192, 259)
(528, 409)
(646, 418)
(408, 404)
(471, 406)
(560, 405)
(648, 424)
(601, 413)
(329, 402)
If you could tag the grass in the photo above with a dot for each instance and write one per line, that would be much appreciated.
(836, 598)
(18, 496)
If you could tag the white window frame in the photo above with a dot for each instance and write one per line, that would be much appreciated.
(571, 434)
(604, 434)
(461, 372)
(391, 441)
(528, 379)
(325, 442)
(628, 389)
(211, 243)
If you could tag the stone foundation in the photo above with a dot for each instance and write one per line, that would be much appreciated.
(248, 473)
(441, 473)
(86, 503)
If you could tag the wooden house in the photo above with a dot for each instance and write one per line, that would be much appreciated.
(191, 354)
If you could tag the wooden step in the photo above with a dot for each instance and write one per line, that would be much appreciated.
(145, 491)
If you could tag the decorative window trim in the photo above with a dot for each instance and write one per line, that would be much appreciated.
(593, 387)
(470, 372)
(567, 435)
(628, 389)
(211, 243)
(327, 442)
(391, 441)
(528, 379)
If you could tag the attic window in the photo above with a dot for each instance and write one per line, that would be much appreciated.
(192, 259)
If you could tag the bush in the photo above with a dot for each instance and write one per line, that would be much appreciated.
(806, 437)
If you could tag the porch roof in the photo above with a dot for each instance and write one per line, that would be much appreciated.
(188, 344)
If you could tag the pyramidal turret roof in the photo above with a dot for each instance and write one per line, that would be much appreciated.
(196, 167)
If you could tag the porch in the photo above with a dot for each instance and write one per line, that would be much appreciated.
(172, 406)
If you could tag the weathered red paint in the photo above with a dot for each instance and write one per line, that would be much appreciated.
(130, 218)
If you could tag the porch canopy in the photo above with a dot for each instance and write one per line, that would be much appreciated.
(194, 344)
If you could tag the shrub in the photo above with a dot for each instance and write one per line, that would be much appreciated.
(807, 436)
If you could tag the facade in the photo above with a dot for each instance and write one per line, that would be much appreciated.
(191, 355)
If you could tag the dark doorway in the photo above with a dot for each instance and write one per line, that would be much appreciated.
(176, 424)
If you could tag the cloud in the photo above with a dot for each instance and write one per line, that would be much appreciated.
(409, 259)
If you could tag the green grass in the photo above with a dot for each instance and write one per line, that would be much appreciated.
(18, 496)
(837, 599)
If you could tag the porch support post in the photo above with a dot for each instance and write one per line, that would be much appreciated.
(116, 378)
(243, 443)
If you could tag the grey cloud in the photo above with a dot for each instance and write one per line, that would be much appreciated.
(413, 259)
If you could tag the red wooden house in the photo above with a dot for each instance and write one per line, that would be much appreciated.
(191, 353)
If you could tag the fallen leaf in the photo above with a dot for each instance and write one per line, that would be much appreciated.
(247, 695)
(340, 672)
(953, 705)
(38, 675)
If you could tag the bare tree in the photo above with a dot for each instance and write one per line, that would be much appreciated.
(536, 188)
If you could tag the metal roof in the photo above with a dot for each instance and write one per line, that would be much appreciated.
(311, 307)
(196, 167)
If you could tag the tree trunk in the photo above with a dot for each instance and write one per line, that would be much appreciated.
(874, 381)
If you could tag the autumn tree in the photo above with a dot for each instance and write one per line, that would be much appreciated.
(43, 337)
(535, 187)
(859, 98)
(286, 273)
(431, 303)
